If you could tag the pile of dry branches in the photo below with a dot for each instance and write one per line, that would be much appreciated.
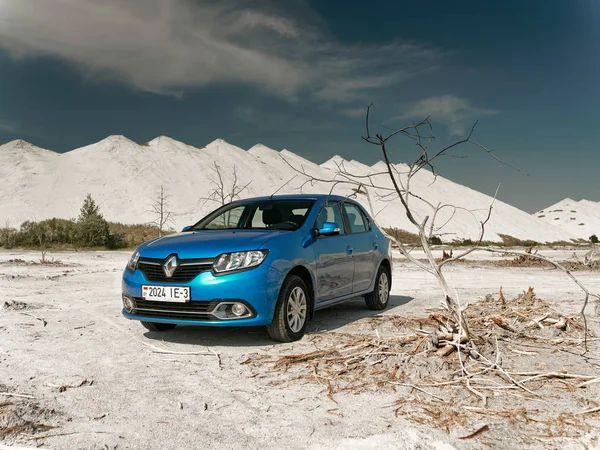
(453, 378)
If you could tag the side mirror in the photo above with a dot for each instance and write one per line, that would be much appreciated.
(188, 228)
(328, 229)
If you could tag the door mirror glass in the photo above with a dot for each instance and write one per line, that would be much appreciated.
(188, 228)
(329, 229)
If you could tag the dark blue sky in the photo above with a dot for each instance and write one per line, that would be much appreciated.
(298, 75)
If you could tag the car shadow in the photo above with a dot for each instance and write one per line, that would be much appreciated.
(327, 319)
(213, 336)
(348, 312)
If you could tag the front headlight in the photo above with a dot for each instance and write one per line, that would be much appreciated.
(228, 262)
(133, 261)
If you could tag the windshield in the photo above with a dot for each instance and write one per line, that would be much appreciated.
(258, 215)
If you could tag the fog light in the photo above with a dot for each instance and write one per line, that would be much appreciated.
(128, 303)
(238, 309)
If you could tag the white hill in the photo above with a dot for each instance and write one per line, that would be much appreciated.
(580, 218)
(124, 178)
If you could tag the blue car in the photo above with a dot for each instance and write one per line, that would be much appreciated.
(268, 261)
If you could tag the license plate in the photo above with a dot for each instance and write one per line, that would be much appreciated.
(176, 294)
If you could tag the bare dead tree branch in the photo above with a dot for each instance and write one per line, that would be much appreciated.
(223, 193)
(159, 209)
(399, 188)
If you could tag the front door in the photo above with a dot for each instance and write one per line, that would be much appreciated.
(334, 257)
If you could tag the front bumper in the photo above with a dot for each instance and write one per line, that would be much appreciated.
(258, 289)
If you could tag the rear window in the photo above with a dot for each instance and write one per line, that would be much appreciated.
(356, 218)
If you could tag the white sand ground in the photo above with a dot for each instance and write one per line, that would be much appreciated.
(145, 400)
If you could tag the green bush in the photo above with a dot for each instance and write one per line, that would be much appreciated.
(511, 241)
(435, 240)
(92, 230)
(8, 237)
(47, 232)
(132, 235)
(405, 237)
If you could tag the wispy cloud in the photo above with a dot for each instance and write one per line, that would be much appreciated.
(455, 112)
(8, 127)
(359, 111)
(166, 46)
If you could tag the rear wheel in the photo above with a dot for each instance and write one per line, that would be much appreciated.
(291, 312)
(378, 299)
(158, 326)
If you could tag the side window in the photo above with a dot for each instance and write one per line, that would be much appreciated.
(356, 219)
(257, 219)
(330, 213)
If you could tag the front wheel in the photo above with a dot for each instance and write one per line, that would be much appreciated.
(291, 312)
(378, 299)
(158, 326)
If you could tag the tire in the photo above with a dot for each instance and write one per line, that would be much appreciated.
(291, 312)
(157, 326)
(379, 298)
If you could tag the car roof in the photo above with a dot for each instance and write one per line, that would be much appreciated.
(297, 197)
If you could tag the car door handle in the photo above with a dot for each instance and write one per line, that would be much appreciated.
(375, 246)
(349, 250)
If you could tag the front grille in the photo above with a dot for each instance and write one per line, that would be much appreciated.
(168, 310)
(187, 270)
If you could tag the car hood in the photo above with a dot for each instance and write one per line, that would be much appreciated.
(207, 244)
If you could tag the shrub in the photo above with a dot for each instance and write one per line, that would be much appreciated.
(511, 241)
(435, 240)
(594, 239)
(404, 236)
(8, 237)
(89, 230)
(29, 233)
(58, 231)
(92, 229)
(133, 235)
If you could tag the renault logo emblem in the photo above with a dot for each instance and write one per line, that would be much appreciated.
(170, 265)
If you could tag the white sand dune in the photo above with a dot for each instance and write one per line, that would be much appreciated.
(580, 218)
(124, 178)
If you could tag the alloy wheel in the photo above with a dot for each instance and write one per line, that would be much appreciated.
(296, 309)
(383, 288)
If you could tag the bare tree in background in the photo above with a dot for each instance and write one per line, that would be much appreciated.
(221, 192)
(160, 210)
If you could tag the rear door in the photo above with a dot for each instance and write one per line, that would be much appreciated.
(364, 243)
(333, 254)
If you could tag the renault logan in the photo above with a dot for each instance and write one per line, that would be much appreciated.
(268, 261)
